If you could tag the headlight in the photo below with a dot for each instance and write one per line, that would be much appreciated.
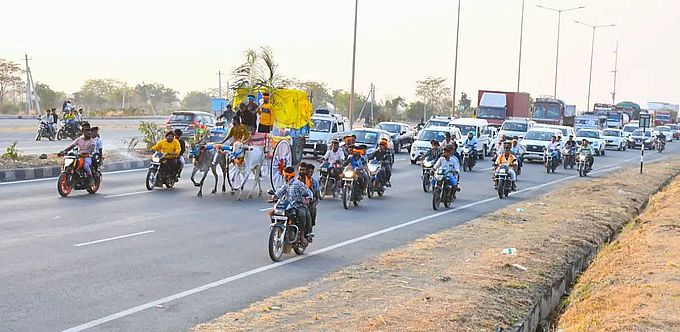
(68, 162)
(156, 159)
(427, 164)
(373, 168)
(582, 157)
(502, 171)
(466, 150)
(648, 140)
(348, 174)
(439, 176)
(280, 212)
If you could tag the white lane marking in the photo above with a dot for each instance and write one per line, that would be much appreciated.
(265, 268)
(401, 159)
(113, 238)
(266, 209)
(487, 169)
(128, 194)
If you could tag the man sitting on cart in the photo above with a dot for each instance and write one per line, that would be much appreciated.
(239, 132)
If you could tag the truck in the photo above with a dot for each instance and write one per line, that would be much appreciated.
(552, 111)
(590, 122)
(630, 108)
(497, 106)
(662, 117)
(615, 118)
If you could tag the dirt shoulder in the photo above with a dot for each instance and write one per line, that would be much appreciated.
(28, 161)
(459, 279)
(634, 283)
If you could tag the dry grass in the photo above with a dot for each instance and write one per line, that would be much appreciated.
(634, 284)
(458, 279)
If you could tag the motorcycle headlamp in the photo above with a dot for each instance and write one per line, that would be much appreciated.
(68, 162)
(582, 157)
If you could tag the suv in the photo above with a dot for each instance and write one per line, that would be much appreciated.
(481, 128)
(535, 141)
(425, 136)
(564, 131)
(326, 127)
(187, 121)
(400, 133)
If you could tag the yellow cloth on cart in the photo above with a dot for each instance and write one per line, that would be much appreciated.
(291, 108)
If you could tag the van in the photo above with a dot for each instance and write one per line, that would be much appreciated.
(482, 130)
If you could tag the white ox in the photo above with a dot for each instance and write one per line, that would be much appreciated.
(253, 157)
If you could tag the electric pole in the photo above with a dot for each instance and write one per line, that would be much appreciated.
(616, 70)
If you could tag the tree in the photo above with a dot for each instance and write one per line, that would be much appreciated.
(160, 97)
(414, 111)
(317, 91)
(100, 93)
(393, 107)
(9, 78)
(258, 71)
(435, 94)
(48, 97)
(341, 102)
(196, 101)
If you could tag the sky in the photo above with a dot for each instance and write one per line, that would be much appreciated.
(183, 44)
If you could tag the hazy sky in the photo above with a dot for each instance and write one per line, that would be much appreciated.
(184, 43)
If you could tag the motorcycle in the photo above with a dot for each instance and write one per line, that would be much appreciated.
(502, 181)
(159, 174)
(551, 160)
(284, 232)
(375, 184)
(582, 164)
(569, 158)
(73, 175)
(326, 179)
(68, 130)
(428, 174)
(468, 160)
(44, 131)
(351, 191)
(442, 190)
(661, 145)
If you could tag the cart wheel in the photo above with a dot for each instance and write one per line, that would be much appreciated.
(282, 156)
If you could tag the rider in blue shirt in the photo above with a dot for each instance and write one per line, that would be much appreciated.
(471, 143)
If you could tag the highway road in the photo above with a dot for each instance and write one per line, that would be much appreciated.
(24, 131)
(127, 259)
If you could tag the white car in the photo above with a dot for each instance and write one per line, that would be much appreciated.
(510, 128)
(615, 138)
(666, 130)
(564, 133)
(629, 129)
(536, 141)
(481, 128)
(425, 136)
(594, 137)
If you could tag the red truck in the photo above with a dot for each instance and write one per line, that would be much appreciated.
(663, 117)
(497, 106)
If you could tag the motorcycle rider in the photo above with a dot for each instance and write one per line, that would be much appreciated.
(85, 145)
(435, 151)
(296, 192)
(49, 120)
(471, 143)
(312, 184)
(554, 146)
(98, 154)
(183, 149)
(448, 141)
(449, 164)
(508, 158)
(335, 157)
(349, 145)
(358, 163)
(499, 144)
(170, 148)
(516, 150)
(385, 158)
(585, 147)
(661, 138)
(79, 116)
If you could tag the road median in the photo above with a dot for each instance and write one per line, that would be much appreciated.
(507, 270)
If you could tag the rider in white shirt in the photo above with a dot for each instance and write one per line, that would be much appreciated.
(449, 164)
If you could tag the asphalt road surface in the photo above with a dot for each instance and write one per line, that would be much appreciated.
(127, 259)
(24, 131)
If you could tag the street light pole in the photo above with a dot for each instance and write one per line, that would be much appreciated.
(521, 32)
(354, 59)
(592, 53)
(559, 24)
(616, 71)
(455, 66)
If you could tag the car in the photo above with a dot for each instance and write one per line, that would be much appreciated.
(438, 121)
(536, 141)
(188, 121)
(615, 138)
(511, 128)
(326, 127)
(676, 130)
(484, 132)
(422, 144)
(630, 128)
(401, 135)
(666, 130)
(370, 137)
(594, 137)
(564, 133)
(642, 137)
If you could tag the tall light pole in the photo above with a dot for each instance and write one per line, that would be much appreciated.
(354, 60)
(559, 23)
(592, 53)
(521, 32)
(616, 71)
(455, 66)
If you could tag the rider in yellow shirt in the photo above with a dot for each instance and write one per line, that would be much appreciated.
(170, 148)
(507, 158)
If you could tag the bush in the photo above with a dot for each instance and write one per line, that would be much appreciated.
(12, 152)
(151, 133)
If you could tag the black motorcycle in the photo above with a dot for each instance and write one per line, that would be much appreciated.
(502, 181)
(468, 159)
(569, 158)
(582, 164)
(660, 145)
(375, 183)
(68, 130)
(428, 174)
(351, 190)
(442, 190)
(44, 131)
(73, 175)
(551, 160)
(159, 173)
(326, 179)
(284, 233)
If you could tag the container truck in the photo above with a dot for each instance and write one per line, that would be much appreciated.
(552, 111)
(497, 106)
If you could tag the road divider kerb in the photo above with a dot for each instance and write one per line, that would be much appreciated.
(113, 238)
(272, 266)
(23, 175)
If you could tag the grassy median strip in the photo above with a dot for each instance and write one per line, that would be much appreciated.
(634, 283)
(487, 274)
